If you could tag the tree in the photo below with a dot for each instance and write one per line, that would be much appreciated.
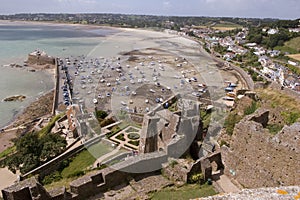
(28, 144)
(33, 150)
(100, 114)
(52, 145)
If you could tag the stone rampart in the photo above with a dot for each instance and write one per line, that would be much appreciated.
(256, 158)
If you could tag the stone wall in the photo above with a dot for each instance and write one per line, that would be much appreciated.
(88, 185)
(276, 193)
(54, 164)
(256, 158)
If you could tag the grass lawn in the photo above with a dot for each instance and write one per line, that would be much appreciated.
(184, 192)
(226, 26)
(286, 49)
(99, 149)
(7, 151)
(292, 46)
(294, 43)
(83, 160)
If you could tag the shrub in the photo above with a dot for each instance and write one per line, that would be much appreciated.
(290, 117)
(196, 178)
(54, 177)
(274, 128)
(100, 114)
(76, 174)
(223, 142)
(121, 137)
(173, 163)
(106, 122)
(251, 109)
(230, 122)
(134, 142)
(133, 136)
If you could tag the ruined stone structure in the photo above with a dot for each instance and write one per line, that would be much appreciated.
(182, 170)
(100, 181)
(170, 132)
(86, 186)
(256, 158)
(164, 135)
(40, 58)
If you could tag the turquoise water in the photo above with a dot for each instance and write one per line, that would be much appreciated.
(17, 40)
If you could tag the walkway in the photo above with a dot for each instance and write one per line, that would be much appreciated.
(7, 178)
(104, 157)
(225, 184)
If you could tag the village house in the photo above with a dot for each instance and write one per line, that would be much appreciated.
(294, 30)
(225, 42)
(259, 51)
(237, 49)
(273, 31)
(265, 61)
(292, 63)
(228, 56)
(273, 53)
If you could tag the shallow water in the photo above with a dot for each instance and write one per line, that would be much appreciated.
(17, 40)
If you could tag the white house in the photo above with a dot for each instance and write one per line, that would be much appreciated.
(272, 31)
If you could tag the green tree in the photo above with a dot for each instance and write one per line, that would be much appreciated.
(100, 114)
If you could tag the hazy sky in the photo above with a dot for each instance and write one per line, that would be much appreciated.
(287, 9)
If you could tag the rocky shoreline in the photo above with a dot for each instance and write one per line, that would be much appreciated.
(41, 107)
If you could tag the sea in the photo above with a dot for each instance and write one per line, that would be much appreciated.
(18, 39)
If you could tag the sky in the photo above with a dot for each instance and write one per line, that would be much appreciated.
(282, 9)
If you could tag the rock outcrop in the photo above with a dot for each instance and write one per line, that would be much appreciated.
(15, 98)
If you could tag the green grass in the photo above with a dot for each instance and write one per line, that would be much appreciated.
(205, 117)
(7, 151)
(121, 137)
(293, 43)
(274, 128)
(78, 166)
(278, 99)
(184, 192)
(290, 117)
(99, 149)
(62, 183)
(83, 160)
(284, 49)
(251, 109)
(231, 120)
(50, 125)
(292, 46)
(134, 142)
(131, 130)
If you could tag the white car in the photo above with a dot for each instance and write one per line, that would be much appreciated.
(95, 101)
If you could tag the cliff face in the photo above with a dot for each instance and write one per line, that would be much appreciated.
(256, 158)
